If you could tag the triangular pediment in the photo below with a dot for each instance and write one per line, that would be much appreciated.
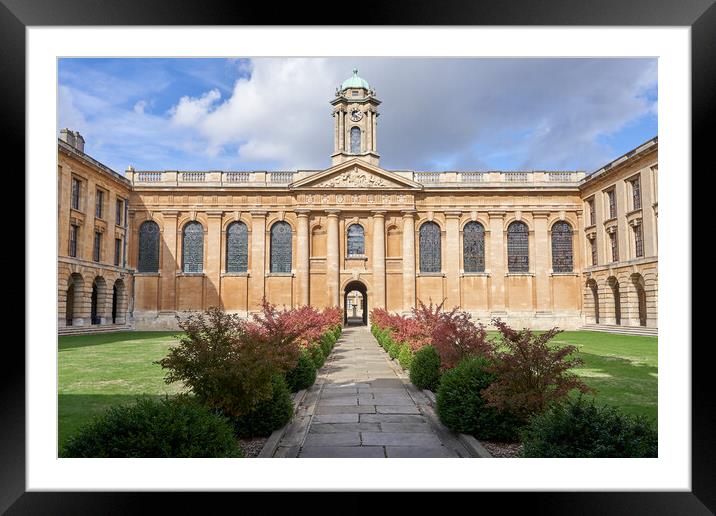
(356, 175)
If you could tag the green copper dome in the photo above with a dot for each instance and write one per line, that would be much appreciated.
(354, 82)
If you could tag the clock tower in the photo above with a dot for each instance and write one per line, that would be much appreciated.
(355, 115)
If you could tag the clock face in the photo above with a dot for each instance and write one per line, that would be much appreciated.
(356, 115)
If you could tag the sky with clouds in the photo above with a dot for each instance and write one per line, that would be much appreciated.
(436, 114)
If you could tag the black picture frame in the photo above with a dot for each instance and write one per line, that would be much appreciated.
(700, 15)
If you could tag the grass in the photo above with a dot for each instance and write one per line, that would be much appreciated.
(97, 371)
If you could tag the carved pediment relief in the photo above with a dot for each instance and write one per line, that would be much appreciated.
(355, 178)
(357, 175)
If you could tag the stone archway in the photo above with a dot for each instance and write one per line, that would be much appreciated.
(355, 292)
(638, 282)
(73, 299)
(613, 284)
(592, 286)
(98, 301)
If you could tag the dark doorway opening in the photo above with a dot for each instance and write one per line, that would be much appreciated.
(94, 318)
(70, 305)
(114, 304)
(355, 304)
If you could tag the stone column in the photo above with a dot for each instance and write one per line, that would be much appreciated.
(213, 259)
(496, 264)
(452, 258)
(369, 131)
(374, 119)
(408, 259)
(303, 272)
(336, 131)
(169, 262)
(341, 130)
(258, 259)
(541, 258)
(379, 259)
(332, 259)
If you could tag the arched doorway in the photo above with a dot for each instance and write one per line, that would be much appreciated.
(638, 282)
(119, 302)
(98, 300)
(74, 292)
(592, 285)
(355, 304)
(614, 285)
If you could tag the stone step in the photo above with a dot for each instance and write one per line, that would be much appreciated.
(95, 328)
(624, 330)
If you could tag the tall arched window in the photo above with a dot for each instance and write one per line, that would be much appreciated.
(473, 247)
(193, 247)
(237, 247)
(356, 240)
(280, 247)
(430, 247)
(355, 140)
(148, 260)
(518, 253)
(562, 247)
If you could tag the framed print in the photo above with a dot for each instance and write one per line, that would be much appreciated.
(432, 234)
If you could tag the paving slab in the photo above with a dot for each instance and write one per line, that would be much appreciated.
(332, 428)
(345, 409)
(335, 439)
(335, 418)
(329, 452)
(399, 439)
(391, 418)
(422, 428)
(397, 409)
(417, 452)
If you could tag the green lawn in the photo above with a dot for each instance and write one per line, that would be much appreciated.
(96, 371)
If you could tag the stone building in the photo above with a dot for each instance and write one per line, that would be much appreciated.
(533, 247)
(94, 283)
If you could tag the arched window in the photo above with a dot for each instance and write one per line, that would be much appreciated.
(562, 247)
(430, 247)
(193, 247)
(473, 247)
(518, 253)
(281, 247)
(356, 240)
(148, 260)
(237, 247)
(355, 140)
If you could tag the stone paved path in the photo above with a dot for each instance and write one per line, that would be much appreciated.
(362, 405)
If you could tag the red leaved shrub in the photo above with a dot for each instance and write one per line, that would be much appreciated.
(531, 375)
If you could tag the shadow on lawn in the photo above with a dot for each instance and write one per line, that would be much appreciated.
(81, 341)
(629, 385)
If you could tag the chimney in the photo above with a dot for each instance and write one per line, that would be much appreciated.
(79, 142)
(73, 138)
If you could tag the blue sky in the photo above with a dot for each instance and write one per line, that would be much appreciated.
(436, 114)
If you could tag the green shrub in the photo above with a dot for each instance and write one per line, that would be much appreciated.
(405, 356)
(578, 428)
(461, 407)
(425, 368)
(393, 348)
(317, 355)
(327, 342)
(269, 415)
(172, 427)
(303, 375)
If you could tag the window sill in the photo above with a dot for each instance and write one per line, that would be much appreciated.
(431, 274)
(190, 274)
(235, 274)
(279, 274)
(519, 274)
(552, 273)
(148, 274)
(357, 257)
(475, 274)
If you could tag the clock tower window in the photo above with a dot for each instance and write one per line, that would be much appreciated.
(355, 140)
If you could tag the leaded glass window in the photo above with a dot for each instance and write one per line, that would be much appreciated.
(148, 247)
(99, 205)
(119, 208)
(237, 247)
(592, 213)
(75, 194)
(636, 193)
(355, 140)
(638, 242)
(117, 251)
(562, 247)
(614, 243)
(193, 247)
(473, 247)
(281, 247)
(518, 253)
(97, 251)
(593, 243)
(612, 198)
(430, 247)
(356, 240)
(74, 231)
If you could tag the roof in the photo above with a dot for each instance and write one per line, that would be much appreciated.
(354, 82)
